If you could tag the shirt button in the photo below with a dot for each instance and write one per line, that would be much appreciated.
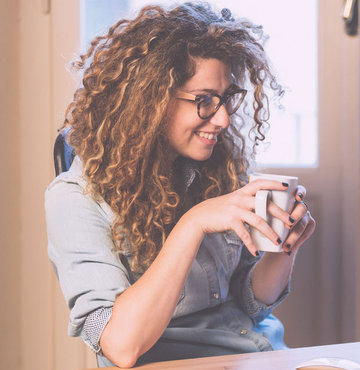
(216, 295)
(243, 332)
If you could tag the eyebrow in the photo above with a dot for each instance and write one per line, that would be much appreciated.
(210, 91)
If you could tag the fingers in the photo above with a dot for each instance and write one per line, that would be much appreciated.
(279, 213)
(274, 210)
(254, 186)
(300, 193)
(300, 233)
(249, 191)
(299, 221)
(307, 232)
(253, 220)
(299, 212)
(261, 225)
(244, 235)
(295, 235)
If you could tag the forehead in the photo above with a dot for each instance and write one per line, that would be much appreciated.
(210, 74)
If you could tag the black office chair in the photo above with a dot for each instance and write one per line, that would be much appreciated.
(63, 152)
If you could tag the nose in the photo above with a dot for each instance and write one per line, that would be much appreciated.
(221, 118)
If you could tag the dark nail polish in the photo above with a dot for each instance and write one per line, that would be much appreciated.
(257, 253)
(285, 184)
(301, 195)
(291, 219)
(288, 253)
(287, 246)
(279, 241)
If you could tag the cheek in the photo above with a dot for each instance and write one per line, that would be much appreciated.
(182, 122)
(178, 126)
(180, 133)
(172, 134)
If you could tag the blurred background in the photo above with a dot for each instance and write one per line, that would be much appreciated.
(315, 137)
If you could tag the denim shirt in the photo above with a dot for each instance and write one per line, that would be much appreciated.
(92, 276)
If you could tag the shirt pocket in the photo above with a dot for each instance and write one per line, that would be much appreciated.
(233, 248)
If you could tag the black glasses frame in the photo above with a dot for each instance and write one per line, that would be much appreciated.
(223, 99)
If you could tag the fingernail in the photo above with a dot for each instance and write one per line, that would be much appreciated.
(285, 184)
(288, 253)
(287, 246)
(291, 219)
(301, 195)
(279, 241)
(257, 253)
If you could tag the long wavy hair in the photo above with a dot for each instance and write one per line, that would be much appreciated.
(118, 116)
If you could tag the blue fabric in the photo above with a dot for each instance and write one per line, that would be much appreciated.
(217, 312)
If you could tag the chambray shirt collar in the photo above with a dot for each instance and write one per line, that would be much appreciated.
(189, 170)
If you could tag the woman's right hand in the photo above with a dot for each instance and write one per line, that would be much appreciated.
(232, 211)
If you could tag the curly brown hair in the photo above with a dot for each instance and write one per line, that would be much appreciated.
(118, 116)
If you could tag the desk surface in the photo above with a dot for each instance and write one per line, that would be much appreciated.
(277, 360)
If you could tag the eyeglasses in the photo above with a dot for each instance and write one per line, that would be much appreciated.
(209, 104)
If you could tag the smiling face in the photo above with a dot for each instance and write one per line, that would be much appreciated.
(188, 134)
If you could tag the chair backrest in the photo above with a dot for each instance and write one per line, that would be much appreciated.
(63, 152)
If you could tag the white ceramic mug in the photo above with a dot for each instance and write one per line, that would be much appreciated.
(285, 199)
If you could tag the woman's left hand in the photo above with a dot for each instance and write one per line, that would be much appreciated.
(303, 226)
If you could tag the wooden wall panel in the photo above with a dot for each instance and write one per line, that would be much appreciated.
(9, 187)
(35, 115)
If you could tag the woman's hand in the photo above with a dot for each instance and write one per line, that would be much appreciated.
(303, 226)
(234, 210)
(272, 272)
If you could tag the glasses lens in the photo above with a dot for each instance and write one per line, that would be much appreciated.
(208, 105)
(233, 102)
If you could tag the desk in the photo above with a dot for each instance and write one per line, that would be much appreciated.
(274, 360)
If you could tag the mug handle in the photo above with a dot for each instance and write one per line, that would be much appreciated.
(261, 200)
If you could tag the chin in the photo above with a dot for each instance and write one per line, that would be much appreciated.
(200, 157)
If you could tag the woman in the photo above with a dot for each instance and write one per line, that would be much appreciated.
(148, 230)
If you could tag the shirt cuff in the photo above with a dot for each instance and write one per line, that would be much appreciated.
(93, 327)
(256, 309)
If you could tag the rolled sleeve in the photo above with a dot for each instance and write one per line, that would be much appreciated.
(241, 289)
(94, 326)
(80, 248)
